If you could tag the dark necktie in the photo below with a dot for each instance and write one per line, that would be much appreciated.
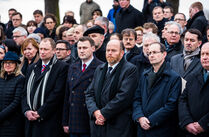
(43, 68)
(109, 71)
(84, 67)
(206, 76)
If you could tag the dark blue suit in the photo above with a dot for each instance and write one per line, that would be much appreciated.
(75, 114)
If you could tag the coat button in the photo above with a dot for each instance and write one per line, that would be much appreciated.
(72, 78)
(73, 92)
(72, 104)
(84, 105)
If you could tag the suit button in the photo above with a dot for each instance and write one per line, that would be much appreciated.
(72, 78)
(84, 105)
(72, 104)
(90, 79)
(73, 92)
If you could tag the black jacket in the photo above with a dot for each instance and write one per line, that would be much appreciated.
(128, 18)
(133, 52)
(11, 118)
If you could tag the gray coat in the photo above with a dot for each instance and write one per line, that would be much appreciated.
(177, 64)
(116, 109)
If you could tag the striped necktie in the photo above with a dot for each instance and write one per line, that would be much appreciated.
(43, 68)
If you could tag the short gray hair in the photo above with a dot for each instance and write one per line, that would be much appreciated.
(150, 35)
(103, 20)
(177, 24)
(22, 31)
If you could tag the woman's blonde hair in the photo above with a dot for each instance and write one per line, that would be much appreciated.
(17, 70)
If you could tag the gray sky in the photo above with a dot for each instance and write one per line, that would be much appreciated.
(26, 7)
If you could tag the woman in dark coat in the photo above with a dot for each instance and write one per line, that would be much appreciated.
(11, 87)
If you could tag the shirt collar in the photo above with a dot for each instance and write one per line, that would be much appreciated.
(46, 63)
(113, 66)
(88, 62)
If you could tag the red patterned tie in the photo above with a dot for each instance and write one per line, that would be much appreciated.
(84, 67)
(43, 67)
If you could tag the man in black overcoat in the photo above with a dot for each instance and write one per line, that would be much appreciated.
(109, 97)
(44, 94)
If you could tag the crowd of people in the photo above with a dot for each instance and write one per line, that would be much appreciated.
(130, 74)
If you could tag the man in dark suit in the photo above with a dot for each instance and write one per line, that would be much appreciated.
(44, 94)
(129, 41)
(80, 74)
(109, 96)
(156, 98)
(188, 61)
(193, 103)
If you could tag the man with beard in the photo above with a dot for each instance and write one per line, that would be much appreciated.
(109, 96)
(97, 34)
(86, 10)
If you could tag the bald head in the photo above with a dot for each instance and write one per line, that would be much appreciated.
(205, 56)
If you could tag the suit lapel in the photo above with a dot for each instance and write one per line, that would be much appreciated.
(181, 64)
(191, 66)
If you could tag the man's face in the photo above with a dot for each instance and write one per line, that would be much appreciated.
(156, 57)
(10, 14)
(165, 31)
(16, 20)
(179, 18)
(38, 18)
(173, 35)
(205, 56)
(85, 50)
(45, 50)
(113, 52)
(78, 32)
(124, 3)
(167, 13)
(98, 39)
(61, 51)
(191, 42)
(18, 38)
(146, 45)
(50, 24)
(129, 41)
(192, 12)
(158, 14)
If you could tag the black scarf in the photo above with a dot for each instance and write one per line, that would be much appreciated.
(113, 86)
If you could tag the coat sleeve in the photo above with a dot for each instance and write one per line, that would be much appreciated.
(11, 108)
(90, 97)
(124, 97)
(56, 95)
(170, 106)
(183, 110)
(137, 104)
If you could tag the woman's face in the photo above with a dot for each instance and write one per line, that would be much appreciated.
(30, 51)
(2, 53)
(31, 29)
(9, 66)
(50, 24)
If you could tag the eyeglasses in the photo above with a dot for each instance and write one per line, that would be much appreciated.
(60, 49)
(17, 36)
(153, 52)
(173, 32)
(1, 46)
(128, 39)
(178, 19)
(49, 22)
(9, 63)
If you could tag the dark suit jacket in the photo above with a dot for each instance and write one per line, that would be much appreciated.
(193, 103)
(50, 123)
(75, 114)
(177, 64)
(133, 52)
(118, 109)
(159, 105)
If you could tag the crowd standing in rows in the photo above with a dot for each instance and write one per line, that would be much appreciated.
(129, 74)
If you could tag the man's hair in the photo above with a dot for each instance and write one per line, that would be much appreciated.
(128, 32)
(17, 13)
(69, 12)
(67, 45)
(169, 7)
(182, 14)
(151, 35)
(177, 24)
(51, 41)
(120, 37)
(103, 20)
(111, 25)
(38, 12)
(196, 32)
(86, 38)
(152, 26)
(12, 9)
(162, 46)
(197, 5)
(157, 7)
(22, 31)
